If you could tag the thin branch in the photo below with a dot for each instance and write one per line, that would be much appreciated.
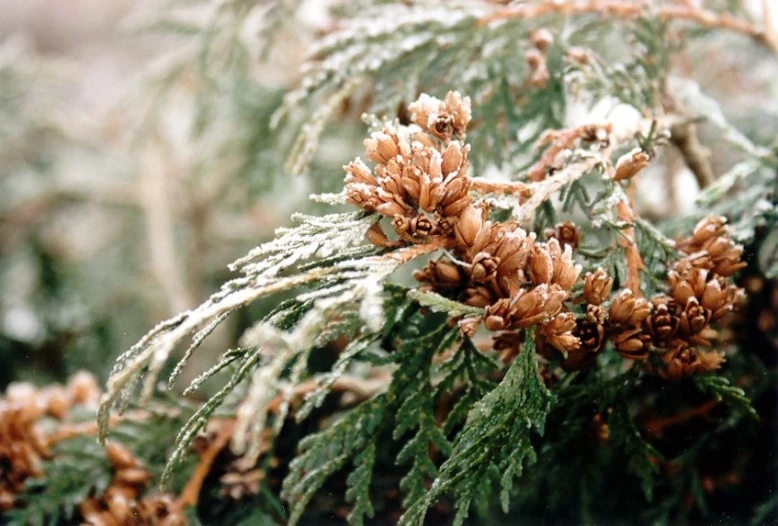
(655, 427)
(191, 492)
(561, 140)
(516, 188)
(160, 228)
(703, 17)
(627, 241)
(544, 190)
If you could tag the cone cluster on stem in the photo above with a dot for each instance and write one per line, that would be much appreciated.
(420, 182)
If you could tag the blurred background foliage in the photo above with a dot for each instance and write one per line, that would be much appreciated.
(136, 160)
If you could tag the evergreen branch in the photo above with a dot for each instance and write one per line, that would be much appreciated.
(496, 436)
(324, 453)
(438, 303)
(720, 387)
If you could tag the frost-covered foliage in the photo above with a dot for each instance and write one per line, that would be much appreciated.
(585, 340)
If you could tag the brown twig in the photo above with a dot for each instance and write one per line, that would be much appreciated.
(627, 241)
(191, 492)
(517, 188)
(67, 431)
(703, 17)
(560, 140)
(406, 254)
(655, 427)
(695, 155)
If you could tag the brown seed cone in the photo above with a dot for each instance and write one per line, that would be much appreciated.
(83, 388)
(159, 510)
(540, 266)
(469, 326)
(239, 484)
(386, 145)
(632, 344)
(694, 318)
(511, 245)
(715, 298)
(478, 296)
(55, 401)
(690, 284)
(441, 274)
(567, 233)
(590, 330)
(483, 269)
(443, 119)
(597, 287)
(600, 429)
(415, 228)
(558, 332)
(468, 226)
(683, 361)
(706, 229)
(132, 477)
(663, 322)
(528, 307)
(566, 272)
(627, 309)
(541, 38)
(22, 447)
(119, 456)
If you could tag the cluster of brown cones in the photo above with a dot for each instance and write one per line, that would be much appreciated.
(23, 446)
(123, 503)
(520, 281)
(420, 177)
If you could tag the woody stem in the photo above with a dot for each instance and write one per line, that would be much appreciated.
(702, 17)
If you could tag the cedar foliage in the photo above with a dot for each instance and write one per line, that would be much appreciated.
(414, 402)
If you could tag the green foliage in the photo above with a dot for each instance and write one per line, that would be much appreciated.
(78, 470)
(495, 439)
(321, 455)
(721, 388)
